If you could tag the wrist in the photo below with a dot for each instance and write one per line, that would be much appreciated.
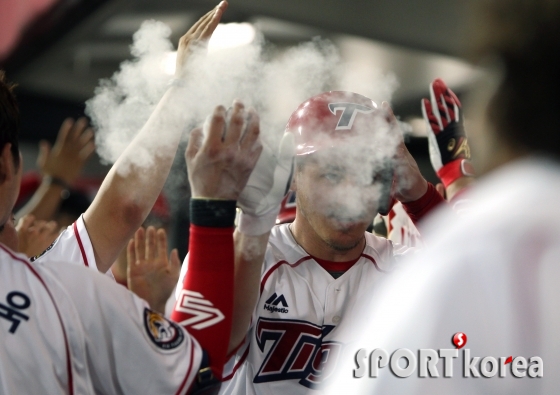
(56, 181)
(455, 170)
(253, 225)
(212, 213)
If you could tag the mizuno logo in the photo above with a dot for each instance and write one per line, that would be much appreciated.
(272, 303)
(203, 311)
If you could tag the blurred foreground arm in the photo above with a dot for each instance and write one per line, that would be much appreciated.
(130, 190)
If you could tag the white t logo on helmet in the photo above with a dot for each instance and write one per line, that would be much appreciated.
(349, 111)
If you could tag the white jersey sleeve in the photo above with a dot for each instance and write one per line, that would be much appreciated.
(76, 331)
(73, 245)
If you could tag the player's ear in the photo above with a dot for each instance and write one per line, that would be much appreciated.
(7, 165)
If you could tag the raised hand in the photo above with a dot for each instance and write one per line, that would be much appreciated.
(150, 274)
(34, 237)
(220, 160)
(198, 36)
(449, 150)
(73, 147)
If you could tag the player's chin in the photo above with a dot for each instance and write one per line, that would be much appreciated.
(345, 235)
(345, 242)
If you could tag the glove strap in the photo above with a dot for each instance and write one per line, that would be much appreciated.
(454, 170)
(251, 225)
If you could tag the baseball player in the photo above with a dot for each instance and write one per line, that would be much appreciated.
(66, 330)
(492, 283)
(286, 311)
(129, 191)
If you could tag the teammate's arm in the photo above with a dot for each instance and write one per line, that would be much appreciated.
(260, 203)
(129, 191)
(219, 164)
(416, 194)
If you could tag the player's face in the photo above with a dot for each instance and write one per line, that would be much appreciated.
(337, 197)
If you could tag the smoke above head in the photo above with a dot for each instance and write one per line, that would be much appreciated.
(274, 81)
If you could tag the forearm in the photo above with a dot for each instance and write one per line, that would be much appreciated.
(205, 303)
(249, 258)
(419, 208)
(45, 201)
(133, 184)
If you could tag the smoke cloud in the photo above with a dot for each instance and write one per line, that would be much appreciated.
(274, 81)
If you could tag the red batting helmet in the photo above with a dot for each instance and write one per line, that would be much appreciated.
(330, 115)
(326, 120)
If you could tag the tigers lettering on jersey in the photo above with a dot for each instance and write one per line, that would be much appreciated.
(297, 351)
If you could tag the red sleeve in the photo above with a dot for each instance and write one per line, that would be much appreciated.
(418, 209)
(205, 305)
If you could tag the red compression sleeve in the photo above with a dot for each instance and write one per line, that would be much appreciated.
(418, 209)
(205, 306)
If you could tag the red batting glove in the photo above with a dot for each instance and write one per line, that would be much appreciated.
(449, 150)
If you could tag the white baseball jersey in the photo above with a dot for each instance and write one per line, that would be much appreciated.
(72, 245)
(68, 330)
(401, 228)
(294, 340)
(493, 276)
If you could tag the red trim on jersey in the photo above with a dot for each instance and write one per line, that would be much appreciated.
(277, 265)
(238, 364)
(372, 259)
(84, 256)
(418, 209)
(331, 266)
(182, 387)
(234, 351)
(68, 363)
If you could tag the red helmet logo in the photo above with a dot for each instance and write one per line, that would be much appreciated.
(330, 116)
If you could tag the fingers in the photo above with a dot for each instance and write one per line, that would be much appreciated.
(131, 253)
(140, 244)
(64, 130)
(214, 128)
(78, 129)
(151, 244)
(161, 245)
(25, 222)
(429, 117)
(44, 151)
(87, 151)
(213, 23)
(236, 123)
(195, 142)
(174, 261)
(250, 139)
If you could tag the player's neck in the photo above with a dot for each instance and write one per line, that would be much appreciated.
(315, 246)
